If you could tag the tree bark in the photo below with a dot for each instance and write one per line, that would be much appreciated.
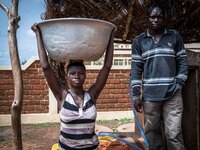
(129, 19)
(16, 107)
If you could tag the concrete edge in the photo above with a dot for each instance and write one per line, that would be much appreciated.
(88, 67)
(5, 120)
(193, 46)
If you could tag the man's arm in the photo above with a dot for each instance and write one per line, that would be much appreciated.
(181, 62)
(136, 73)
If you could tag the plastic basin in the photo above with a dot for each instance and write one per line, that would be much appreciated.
(75, 38)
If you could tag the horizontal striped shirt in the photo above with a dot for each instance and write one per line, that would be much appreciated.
(158, 68)
(78, 124)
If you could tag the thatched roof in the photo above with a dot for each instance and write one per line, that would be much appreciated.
(130, 15)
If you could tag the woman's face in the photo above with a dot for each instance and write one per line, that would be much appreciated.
(76, 76)
(156, 18)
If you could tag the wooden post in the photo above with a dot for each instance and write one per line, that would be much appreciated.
(16, 107)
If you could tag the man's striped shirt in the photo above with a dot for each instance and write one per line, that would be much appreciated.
(159, 68)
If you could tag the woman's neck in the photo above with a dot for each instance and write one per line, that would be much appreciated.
(77, 91)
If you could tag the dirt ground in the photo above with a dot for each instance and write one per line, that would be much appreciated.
(43, 136)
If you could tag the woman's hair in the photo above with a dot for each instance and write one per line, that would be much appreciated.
(75, 64)
(59, 71)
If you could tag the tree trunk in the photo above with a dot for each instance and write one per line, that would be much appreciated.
(17, 76)
(16, 107)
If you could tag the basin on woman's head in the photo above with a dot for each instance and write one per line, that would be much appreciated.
(76, 38)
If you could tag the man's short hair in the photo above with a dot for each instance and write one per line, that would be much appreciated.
(157, 5)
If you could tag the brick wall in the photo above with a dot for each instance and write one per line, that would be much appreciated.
(114, 97)
(35, 98)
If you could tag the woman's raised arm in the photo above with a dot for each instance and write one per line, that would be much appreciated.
(97, 87)
(48, 72)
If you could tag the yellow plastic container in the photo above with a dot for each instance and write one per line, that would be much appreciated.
(55, 147)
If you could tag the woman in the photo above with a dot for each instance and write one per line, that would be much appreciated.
(77, 107)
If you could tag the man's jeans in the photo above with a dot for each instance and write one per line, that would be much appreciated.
(171, 113)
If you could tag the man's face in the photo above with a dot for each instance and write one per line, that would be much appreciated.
(156, 19)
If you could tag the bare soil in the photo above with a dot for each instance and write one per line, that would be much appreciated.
(43, 136)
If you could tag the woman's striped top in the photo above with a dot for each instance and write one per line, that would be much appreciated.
(78, 124)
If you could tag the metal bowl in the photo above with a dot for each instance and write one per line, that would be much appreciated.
(76, 38)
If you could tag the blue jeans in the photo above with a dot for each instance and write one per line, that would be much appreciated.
(170, 112)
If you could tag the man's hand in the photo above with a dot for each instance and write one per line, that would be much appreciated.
(138, 105)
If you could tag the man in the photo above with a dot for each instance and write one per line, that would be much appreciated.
(159, 66)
